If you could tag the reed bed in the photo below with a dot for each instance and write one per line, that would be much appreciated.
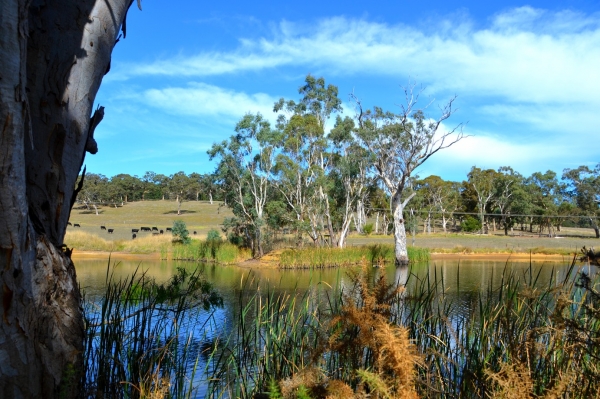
(520, 340)
(197, 250)
(137, 342)
(539, 250)
(375, 254)
(206, 251)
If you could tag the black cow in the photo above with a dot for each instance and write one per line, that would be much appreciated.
(133, 236)
(76, 225)
(145, 228)
(169, 229)
(155, 229)
(110, 231)
(69, 224)
(135, 230)
(102, 227)
(195, 232)
(161, 231)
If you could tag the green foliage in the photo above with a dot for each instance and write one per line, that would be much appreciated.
(274, 391)
(234, 229)
(302, 393)
(213, 236)
(368, 229)
(134, 346)
(376, 255)
(470, 224)
(218, 252)
(180, 233)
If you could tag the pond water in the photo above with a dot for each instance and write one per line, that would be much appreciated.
(460, 276)
(462, 280)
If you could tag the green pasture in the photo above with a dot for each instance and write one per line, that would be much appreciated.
(201, 216)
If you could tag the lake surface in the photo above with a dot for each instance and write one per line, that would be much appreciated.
(461, 280)
(460, 276)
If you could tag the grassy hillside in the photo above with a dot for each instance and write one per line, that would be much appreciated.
(199, 216)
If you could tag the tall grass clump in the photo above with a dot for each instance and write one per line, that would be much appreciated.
(372, 339)
(137, 344)
(205, 251)
(521, 340)
(316, 345)
(274, 337)
(318, 257)
(82, 241)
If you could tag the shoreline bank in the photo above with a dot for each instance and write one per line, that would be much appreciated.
(270, 261)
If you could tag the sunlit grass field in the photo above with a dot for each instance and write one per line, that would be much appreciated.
(201, 216)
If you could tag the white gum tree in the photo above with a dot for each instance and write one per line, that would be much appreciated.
(53, 56)
(400, 144)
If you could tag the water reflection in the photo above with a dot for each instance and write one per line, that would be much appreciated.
(462, 283)
(458, 276)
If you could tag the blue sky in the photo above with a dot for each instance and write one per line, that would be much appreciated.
(526, 77)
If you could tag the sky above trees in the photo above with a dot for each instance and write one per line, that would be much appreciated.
(525, 75)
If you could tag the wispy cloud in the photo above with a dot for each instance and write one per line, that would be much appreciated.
(488, 152)
(524, 54)
(199, 99)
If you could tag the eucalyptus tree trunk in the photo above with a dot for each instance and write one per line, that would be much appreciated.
(400, 248)
(52, 59)
(595, 226)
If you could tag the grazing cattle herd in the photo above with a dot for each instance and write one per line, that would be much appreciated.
(134, 232)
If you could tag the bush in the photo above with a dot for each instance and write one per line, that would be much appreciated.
(470, 224)
(368, 228)
(213, 236)
(180, 232)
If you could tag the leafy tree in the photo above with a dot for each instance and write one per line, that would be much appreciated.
(195, 185)
(246, 171)
(429, 191)
(482, 182)
(151, 186)
(546, 197)
(350, 175)
(178, 185)
(94, 188)
(400, 143)
(127, 187)
(303, 162)
(583, 185)
(52, 60)
(508, 193)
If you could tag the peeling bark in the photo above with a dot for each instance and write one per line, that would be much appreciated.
(52, 59)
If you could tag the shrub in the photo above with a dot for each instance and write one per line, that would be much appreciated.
(180, 232)
(368, 229)
(470, 224)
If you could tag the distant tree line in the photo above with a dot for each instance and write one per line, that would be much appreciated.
(358, 177)
(98, 189)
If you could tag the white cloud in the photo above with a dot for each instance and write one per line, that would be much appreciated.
(523, 55)
(199, 99)
(488, 151)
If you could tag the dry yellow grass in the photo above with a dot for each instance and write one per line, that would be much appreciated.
(84, 241)
(199, 216)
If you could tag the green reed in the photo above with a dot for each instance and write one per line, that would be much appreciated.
(531, 339)
(208, 251)
(275, 336)
(321, 257)
(136, 345)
